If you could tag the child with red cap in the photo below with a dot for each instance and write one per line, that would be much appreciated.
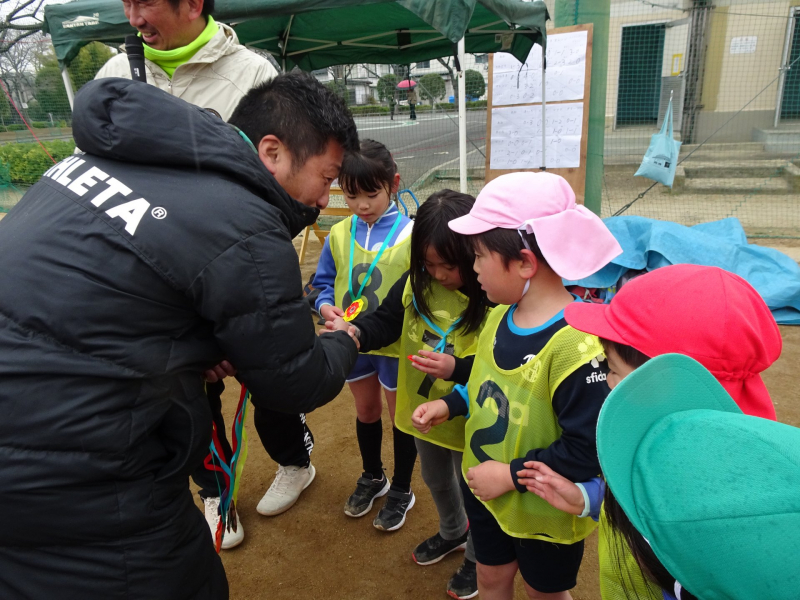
(536, 385)
(706, 313)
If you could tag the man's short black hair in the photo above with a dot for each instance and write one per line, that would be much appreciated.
(298, 110)
(208, 6)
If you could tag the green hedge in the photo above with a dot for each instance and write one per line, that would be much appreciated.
(369, 109)
(27, 162)
(403, 108)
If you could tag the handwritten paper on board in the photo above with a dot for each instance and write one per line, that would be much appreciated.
(517, 136)
(515, 83)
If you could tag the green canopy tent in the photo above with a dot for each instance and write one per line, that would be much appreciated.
(315, 34)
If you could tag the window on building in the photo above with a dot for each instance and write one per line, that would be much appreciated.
(425, 64)
(481, 59)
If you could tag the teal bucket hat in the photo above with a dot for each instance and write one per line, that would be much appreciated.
(716, 493)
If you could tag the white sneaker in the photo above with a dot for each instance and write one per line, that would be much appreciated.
(234, 532)
(285, 489)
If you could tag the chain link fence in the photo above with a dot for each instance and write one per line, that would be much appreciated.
(731, 67)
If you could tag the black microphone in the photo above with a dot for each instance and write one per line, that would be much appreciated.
(135, 50)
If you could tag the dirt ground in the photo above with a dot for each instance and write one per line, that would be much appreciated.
(315, 551)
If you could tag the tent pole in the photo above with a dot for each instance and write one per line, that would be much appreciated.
(544, 116)
(68, 86)
(462, 119)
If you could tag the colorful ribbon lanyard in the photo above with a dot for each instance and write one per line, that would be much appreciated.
(357, 303)
(440, 347)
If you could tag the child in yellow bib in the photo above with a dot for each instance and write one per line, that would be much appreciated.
(435, 311)
(361, 259)
(648, 321)
(536, 385)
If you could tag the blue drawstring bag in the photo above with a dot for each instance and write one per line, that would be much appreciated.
(661, 158)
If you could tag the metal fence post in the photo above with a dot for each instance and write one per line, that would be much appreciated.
(597, 12)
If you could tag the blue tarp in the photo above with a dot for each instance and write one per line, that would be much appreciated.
(648, 244)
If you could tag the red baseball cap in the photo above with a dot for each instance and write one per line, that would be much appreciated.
(706, 313)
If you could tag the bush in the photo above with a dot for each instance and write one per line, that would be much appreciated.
(16, 127)
(431, 87)
(40, 124)
(386, 87)
(474, 83)
(28, 162)
(369, 110)
(476, 104)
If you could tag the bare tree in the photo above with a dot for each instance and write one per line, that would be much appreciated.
(19, 19)
(453, 78)
(19, 62)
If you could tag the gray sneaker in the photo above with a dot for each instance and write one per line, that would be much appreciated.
(393, 514)
(360, 502)
(435, 548)
(464, 583)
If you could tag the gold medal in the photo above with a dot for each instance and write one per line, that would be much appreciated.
(353, 310)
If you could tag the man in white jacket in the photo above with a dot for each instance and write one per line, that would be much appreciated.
(191, 56)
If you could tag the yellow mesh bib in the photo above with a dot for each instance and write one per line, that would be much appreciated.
(511, 413)
(415, 387)
(619, 571)
(394, 262)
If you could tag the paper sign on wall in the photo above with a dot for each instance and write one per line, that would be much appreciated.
(515, 83)
(744, 44)
(517, 136)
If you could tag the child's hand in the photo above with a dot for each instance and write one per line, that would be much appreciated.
(339, 324)
(330, 312)
(219, 372)
(429, 415)
(559, 492)
(490, 479)
(438, 364)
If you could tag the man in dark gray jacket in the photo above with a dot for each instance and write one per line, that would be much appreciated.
(129, 270)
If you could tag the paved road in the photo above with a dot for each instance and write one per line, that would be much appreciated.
(417, 146)
(429, 141)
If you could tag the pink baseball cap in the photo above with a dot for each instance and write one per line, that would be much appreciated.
(574, 241)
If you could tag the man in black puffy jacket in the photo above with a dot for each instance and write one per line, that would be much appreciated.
(128, 271)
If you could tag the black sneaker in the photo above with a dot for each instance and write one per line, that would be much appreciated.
(393, 514)
(464, 583)
(360, 502)
(435, 548)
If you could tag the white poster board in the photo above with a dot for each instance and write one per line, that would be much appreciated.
(517, 136)
(514, 129)
(517, 83)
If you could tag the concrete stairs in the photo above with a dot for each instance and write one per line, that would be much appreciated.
(745, 151)
(785, 140)
(764, 176)
(765, 165)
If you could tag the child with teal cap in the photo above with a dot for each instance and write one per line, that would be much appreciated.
(706, 496)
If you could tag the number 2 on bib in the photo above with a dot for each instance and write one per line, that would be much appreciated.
(496, 432)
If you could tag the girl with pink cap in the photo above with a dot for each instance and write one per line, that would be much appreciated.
(536, 385)
(706, 313)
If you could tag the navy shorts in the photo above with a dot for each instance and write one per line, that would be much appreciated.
(546, 567)
(369, 364)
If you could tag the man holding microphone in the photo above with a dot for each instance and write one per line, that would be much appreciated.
(191, 56)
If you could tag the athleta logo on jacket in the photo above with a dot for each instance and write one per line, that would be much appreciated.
(131, 211)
